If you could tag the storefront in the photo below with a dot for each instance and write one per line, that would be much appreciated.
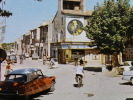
(67, 52)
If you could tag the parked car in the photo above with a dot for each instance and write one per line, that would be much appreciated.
(35, 56)
(128, 75)
(27, 55)
(25, 82)
(127, 66)
(12, 58)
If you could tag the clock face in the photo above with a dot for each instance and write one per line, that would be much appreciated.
(74, 27)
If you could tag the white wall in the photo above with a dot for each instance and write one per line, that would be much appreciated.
(76, 38)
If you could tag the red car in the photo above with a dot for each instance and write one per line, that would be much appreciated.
(25, 82)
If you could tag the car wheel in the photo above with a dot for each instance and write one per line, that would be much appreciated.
(26, 97)
(52, 88)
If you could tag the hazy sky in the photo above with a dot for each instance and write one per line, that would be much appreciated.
(29, 14)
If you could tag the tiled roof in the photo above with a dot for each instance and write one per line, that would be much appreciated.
(74, 12)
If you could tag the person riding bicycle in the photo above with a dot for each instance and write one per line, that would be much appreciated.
(79, 72)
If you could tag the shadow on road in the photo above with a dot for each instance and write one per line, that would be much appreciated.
(126, 83)
(95, 69)
(76, 85)
(129, 99)
(39, 95)
(32, 97)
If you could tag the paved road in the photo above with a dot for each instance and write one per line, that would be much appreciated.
(97, 85)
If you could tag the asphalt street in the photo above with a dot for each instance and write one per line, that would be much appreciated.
(97, 85)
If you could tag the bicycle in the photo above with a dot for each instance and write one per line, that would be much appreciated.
(79, 81)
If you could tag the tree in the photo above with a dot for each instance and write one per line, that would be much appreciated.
(7, 46)
(110, 27)
(4, 13)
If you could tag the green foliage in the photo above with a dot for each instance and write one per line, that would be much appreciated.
(111, 25)
(7, 46)
(5, 13)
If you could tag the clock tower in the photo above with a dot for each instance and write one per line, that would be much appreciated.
(69, 38)
(72, 5)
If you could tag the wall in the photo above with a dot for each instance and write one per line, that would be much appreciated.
(76, 38)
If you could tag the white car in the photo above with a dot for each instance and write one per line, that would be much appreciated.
(35, 56)
(128, 75)
(27, 55)
(127, 66)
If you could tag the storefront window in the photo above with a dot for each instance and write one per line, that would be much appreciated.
(78, 53)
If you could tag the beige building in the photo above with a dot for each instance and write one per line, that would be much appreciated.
(69, 40)
(63, 36)
(45, 38)
(17, 46)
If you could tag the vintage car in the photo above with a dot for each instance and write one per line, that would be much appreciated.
(128, 75)
(12, 58)
(26, 82)
(27, 55)
(127, 66)
(35, 56)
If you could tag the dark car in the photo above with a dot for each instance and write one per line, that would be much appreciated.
(25, 82)
(12, 58)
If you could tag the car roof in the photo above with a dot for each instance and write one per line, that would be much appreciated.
(25, 71)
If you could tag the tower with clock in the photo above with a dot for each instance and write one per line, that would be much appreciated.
(69, 38)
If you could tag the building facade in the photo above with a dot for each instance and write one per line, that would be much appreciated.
(69, 40)
(63, 37)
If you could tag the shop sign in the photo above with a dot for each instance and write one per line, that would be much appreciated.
(80, 46)
(64, 46)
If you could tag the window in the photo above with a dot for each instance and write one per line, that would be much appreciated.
(18, 78)
(62, 20)
(70, 5)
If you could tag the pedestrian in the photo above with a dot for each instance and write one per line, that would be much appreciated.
(76, 61)
(44, 59)
(21, 59)
(51, 61)
(8, 69)
(81, 61)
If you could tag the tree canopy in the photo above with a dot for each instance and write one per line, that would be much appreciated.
(7, 46)
(111, 26)
(4, 13)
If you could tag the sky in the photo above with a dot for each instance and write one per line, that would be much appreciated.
(29, 14)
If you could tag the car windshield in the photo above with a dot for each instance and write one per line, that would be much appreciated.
(18, 78)
(12, 57)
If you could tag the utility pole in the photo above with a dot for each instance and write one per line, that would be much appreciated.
(2, 22)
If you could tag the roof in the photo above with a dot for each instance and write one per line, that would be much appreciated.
(79, 12)
(25, 71)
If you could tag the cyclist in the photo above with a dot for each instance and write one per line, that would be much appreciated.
(79, 72)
